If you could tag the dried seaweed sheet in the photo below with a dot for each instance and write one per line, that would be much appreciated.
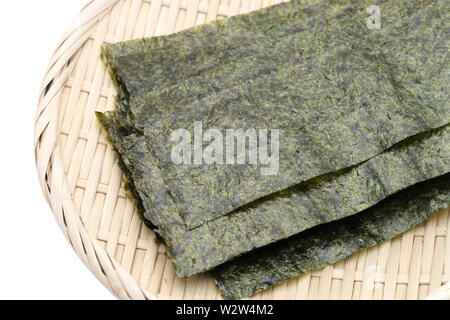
(201, 48)
(326, 244)
(279, 216)
(353, 114)
(138, 73)
(197, 256)
(300, 21)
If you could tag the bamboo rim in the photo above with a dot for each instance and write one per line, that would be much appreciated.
(50, 156)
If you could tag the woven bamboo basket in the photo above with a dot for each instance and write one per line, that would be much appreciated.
(84, 186)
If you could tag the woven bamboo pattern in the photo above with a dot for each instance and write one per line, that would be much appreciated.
(84, 186)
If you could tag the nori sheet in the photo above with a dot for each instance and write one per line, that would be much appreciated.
(284, 214)
(196, 50)
(132, 68)
(299, 19)
(351, 115)
(326, 244)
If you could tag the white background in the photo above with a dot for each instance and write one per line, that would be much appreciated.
(36, 261)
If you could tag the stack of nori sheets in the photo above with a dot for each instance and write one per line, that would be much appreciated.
(364, 140)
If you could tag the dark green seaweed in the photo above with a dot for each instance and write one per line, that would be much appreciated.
(344, 114)
(331, 121)
(326, 244)
(301, 19)
(320, 200)
(191, 52)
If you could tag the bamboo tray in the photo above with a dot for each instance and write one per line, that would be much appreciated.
(83, 184)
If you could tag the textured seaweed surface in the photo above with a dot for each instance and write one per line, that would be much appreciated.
(191, 52)
(313, 249)
(348, 95)
(320, 200)
(332, 120)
